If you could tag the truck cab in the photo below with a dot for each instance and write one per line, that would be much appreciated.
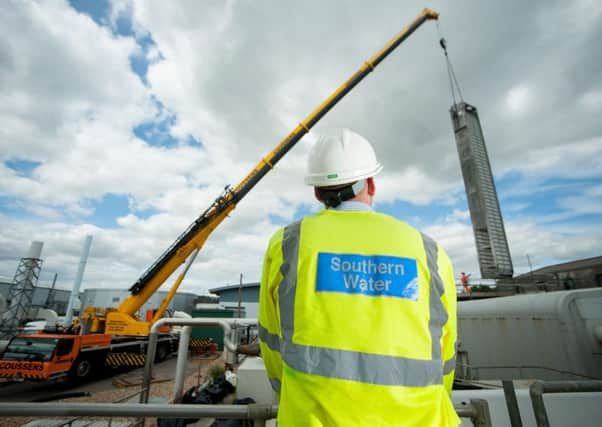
(50, 356)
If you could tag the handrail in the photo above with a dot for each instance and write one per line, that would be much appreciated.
(538, 388)
(153, 337)
(477, 410)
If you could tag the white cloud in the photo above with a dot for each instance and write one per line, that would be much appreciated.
(518, 99)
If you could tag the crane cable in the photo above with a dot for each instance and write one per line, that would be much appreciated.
(453, 82)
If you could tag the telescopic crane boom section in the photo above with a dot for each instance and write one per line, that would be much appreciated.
(122, 321)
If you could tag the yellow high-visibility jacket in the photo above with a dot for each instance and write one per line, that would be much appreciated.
(357, 323)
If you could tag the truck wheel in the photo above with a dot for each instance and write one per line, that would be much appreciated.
(81, 370)
(161, 353)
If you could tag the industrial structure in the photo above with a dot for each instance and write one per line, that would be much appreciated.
(111, 298)
(44, 296)
(583, 273)
(490, 236)
(247, 294)
(20, 294)
(549, 336)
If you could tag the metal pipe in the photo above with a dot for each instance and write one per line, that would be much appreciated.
(539, 409)
(154, 336)
(571, 386)
(466, 411)
(232, 356)
(252, 411)
(78, 281)
(182, 363)
(478, 412)
(538, 388)
(240, 412)
(512, 404)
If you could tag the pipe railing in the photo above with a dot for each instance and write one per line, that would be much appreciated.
(239, 412)
(538, 388)
(477, 410)
(230, 346)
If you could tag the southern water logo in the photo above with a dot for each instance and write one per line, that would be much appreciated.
(373, 275)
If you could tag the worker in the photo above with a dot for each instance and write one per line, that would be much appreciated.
(464, 280)
(357, 311)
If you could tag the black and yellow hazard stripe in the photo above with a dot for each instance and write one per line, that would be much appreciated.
(194, 343)
(124, 359)
(24, 375)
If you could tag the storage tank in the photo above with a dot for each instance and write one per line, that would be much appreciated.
(548, 336)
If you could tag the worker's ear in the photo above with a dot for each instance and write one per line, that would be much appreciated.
(371, 186)
(317, 195)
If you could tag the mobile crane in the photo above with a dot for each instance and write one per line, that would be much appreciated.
(107, 334)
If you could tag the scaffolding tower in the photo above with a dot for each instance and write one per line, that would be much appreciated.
(490, 236)
(21, 291)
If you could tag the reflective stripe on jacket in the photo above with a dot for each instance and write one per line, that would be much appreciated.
(357, 321)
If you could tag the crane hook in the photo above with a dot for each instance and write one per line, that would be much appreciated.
(443, 44)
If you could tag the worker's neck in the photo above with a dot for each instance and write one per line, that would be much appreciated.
(363, 197)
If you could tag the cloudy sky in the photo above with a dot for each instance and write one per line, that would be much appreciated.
(125, 119)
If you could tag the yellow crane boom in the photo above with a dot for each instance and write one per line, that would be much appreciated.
(122, 321)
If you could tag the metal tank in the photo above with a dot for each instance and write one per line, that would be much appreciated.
(547, 336)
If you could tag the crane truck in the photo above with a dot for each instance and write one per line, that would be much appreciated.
(116, 335)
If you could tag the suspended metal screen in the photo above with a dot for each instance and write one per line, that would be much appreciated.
(490, 235)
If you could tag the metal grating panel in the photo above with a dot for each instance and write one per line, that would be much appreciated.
(488, 226)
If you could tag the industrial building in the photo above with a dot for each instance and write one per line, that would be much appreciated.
(584, 273)
(43, 296)
(111, 298)
(247, 294)
(57, 299)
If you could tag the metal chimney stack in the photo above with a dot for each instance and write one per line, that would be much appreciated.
(78, 281)
(492, 246)
(21, 292)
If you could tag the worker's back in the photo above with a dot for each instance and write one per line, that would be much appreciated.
(360, 319)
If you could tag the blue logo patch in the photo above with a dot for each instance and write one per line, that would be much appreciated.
(371, 275)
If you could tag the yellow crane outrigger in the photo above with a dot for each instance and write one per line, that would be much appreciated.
(123, 321)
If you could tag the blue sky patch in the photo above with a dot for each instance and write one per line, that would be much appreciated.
(146, 213)
(543, 199)
(108, 209)
(419, 215)
(22, 167)
(156, 133)
(98, 10)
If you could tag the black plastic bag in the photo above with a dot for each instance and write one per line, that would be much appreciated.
(209, 394)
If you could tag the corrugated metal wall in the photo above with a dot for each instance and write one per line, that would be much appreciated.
(182, 301)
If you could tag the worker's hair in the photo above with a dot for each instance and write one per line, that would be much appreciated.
(332, 196)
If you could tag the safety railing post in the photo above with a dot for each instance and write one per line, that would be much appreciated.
(539, 409)
(148, 364)
(512, 403)
(182, 363)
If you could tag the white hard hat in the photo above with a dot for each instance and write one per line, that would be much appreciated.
(340, 157)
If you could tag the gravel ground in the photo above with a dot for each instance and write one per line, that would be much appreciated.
(104, 392)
